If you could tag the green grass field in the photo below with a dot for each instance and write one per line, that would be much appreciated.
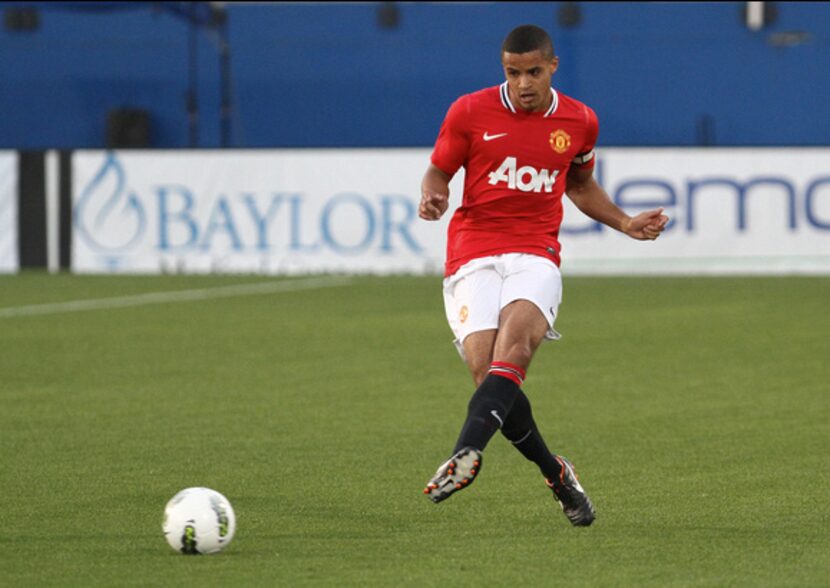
(697, 412)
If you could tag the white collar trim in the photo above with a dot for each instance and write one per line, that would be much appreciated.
(505, 100)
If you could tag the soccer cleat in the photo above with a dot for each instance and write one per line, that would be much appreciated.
(571, 497)
(455, 474)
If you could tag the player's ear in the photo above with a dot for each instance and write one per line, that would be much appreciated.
(554, 64)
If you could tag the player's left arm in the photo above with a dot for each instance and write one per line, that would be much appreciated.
(591, 199)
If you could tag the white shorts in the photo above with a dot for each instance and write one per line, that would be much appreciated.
(476, 293)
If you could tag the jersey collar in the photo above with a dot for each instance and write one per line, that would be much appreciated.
(505, 100)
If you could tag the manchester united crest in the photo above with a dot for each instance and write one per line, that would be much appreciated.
(560, 141)
(464, 313)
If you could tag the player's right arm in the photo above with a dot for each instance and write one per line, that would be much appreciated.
(435, 193)
(449, 154)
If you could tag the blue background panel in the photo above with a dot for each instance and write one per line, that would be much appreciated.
(307, 74)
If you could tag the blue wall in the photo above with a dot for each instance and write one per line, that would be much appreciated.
(328, 75)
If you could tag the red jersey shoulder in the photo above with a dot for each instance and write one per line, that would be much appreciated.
(582, 116)
(570, 105)
(473, 105)
(462, 122)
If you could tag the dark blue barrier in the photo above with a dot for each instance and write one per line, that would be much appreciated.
(332, 75)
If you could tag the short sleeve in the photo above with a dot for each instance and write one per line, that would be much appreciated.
(453, 141)
(585, 158)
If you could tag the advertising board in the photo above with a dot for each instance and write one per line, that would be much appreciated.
(9, 261)
(733, 211)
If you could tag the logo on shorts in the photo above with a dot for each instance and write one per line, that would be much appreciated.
(560, 141)
(464, 313)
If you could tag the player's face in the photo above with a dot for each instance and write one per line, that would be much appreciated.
(528, 78)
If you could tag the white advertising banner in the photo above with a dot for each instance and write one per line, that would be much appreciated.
(733, 211)
(274, 211)
(8, 212)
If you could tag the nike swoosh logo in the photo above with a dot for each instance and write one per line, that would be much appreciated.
(498, 418)
(491, 137)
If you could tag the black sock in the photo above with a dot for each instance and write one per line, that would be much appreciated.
(520, 429)
(488, 410)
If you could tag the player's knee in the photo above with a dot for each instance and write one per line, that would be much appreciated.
(518, 353)
(479, 370)
(479, 374)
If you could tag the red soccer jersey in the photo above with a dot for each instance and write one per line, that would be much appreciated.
(516, 163)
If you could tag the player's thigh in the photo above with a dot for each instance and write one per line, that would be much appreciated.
(530, 298)
(523, 327)
(537, 280)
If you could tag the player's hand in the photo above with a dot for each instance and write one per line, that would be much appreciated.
(647, 225)
(433, 205)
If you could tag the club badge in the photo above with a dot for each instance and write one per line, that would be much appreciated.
(560, 141)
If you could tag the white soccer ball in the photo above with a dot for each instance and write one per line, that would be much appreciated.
(199, 520)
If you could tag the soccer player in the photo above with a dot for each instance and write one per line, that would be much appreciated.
(522, 144)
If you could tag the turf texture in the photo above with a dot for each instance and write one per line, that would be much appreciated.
(696, 410)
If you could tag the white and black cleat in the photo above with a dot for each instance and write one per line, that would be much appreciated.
(571, 497)
(455, 474)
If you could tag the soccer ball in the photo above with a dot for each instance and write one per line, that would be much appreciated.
(199, 520)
